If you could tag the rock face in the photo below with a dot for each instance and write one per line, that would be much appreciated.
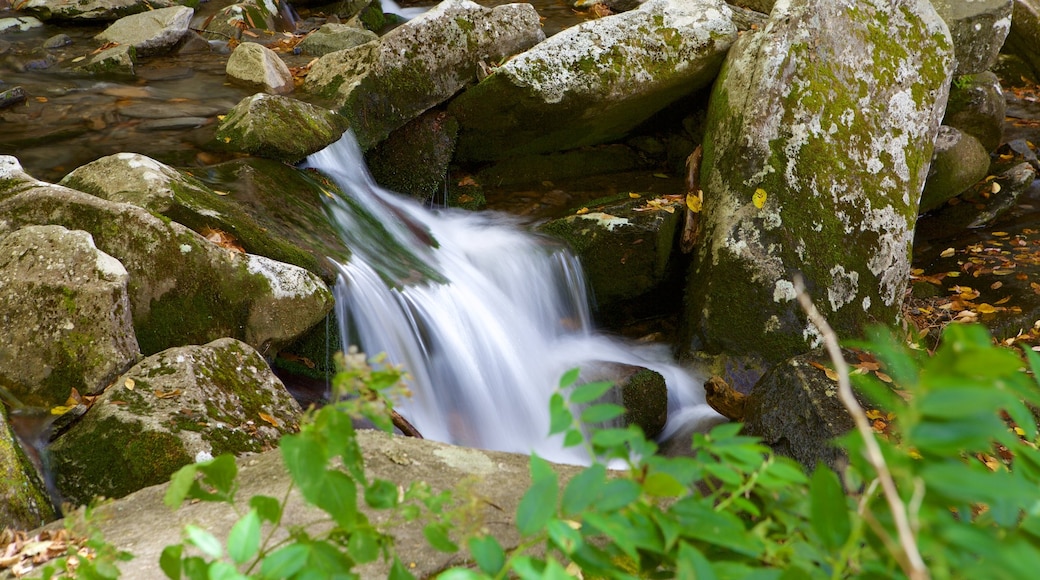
(978, 29)
(259, 125)
(23, 501)
(380, 86)
(414, 159)
(252, 64)
(333, 37)
(152, 32)
(178, 406)
(65, 314)
(84, 11)
(816, 149)
(594, 82)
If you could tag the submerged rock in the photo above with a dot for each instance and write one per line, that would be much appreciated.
(594, 82)
(65, 314)
(181, 405)
(150, 33)
(279, 128)
(814, 162)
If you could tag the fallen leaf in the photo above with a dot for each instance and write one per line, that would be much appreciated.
(995, 285)
(883, 377)
(582, 211)
(695, 202)
(268, 418)
(947, 253)
(167, 394)
(759, 198)
(634, 195)
(129, 384)
(985, 308)
(467, 181)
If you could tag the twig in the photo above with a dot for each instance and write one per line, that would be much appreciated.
(910, 559)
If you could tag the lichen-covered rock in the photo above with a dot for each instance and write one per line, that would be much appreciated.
(978, 29)
(626, 246)
(118, 60)
(255, 65)
(279, 127)
(181, 405)
(816, 149)
(414, 159)
(333, 37)
(229, 21)
(157, 187)
(84, 11)
(977, 107)
(19, 24)
(24, 503)
(382, 85)
(183, 288)
(65, 314)
(150, 33)
(958, 162)
(594, 82)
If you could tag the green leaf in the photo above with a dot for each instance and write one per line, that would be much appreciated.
(459, 574)
(539, 502)
(268, 508)
(337, 495)
(381, 494)
(204, 541)
(693, 564)
(617, 494)
(364, 545)
(659, 484)
(569, 378)
(224, 571)
(564, 536)
(305, 459)
(244, 539)
(560, 417)
(590, 392)
(180, 485)
(437, 535)
(573, 438)
(220, 472)
(829, 511)
(960, 402)
(488, 553)
(583, 489)
(611, 438)
(170, 561)
(601, 412)
(399, 572)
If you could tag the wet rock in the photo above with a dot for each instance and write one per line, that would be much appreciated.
(977, 107)
(987, 201)
(19, 24)
(183, 288)
(171, 124)
(333, 37)
(230, 21)
(796, 411)
(958, 162)
(579, 163)
(169, 110)
(66, 315)
(594, 82)
(1024, 38)
(626, 246)
(414, 159)
(118, 60)
(254, 65)
(279, 128)
(24, 503)
(150, 33)
(641, 391)
(803, 179)
(380, 86)
(12, 97)
(181, 405)
(978, 29)
(90, 11)
(57, 41)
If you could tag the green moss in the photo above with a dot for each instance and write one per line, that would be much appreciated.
(23, 502)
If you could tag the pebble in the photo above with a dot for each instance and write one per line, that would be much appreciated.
(57, 41)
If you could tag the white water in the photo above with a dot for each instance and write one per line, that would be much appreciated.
(485, 348)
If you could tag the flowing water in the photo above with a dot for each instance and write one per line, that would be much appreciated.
(483, 315)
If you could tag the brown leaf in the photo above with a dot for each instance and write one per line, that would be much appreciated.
(269, 419)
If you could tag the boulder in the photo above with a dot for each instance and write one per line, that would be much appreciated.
(986, 201)
(641, 391)
(118, 60)
(181, 405)
(1024, 38)
(19, 24)
(958, 162)
(977, 107)
(594, 82)
(159, 188)
(333, 37)
(65, 313)
(153, 32)
(254, 65)
(764, 6)
(978, 29)
(814, 162)
(90, 11)
(380, 86)
(279, 128)
(573, 164)
(24, 503)
(183, 288)
(414, 159)
(230, 21)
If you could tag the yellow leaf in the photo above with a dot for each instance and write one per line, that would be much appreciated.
(661, 175)
(986, 308)
(634, 195)
(759, 199)
(268, 418)
(947, 253)
(995, 187)
(129, 384)
(582, 211)
(695, 202)
(60, 409)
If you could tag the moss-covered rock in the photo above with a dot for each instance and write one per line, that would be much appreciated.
(229, 21)
(817, 146)
(118, 61)
(414, 159)
(24, 503)
(594, 82)
(254, 65)
(958, 162)
(65, 313)
(279, 128)
(978, 29)
(180, 405)
(977, 107)
(381, 85)
(333, 37)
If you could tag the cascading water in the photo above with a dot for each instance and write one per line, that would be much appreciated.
(483, 315)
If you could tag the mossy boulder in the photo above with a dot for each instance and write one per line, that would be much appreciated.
(817, 146)
(229, 21)
(254, 65)
(183, 289)
(279, 128)
(332, 37)
(977, 107)
(181, 405)
(381, 85)
(118, 61)
(154, 32)
(1023, 40)
(594, 82)
(66, 316)
(414, 159)
(958, 162)
(978, 29)
(24, 503)
(90, 11)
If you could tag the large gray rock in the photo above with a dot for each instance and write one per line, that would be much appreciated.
(279, 127)
(24, 504)
(978, 29)
(414, 159)
(65, 313)
(382, 85)
(594, 82)
(183, 288)
(958, 162)
(150, 33)
(90, 10)
(333, 37)
(178, 406)
(814, 161)
(977, 107)
(255, 65)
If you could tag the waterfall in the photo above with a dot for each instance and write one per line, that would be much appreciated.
(483, 315)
